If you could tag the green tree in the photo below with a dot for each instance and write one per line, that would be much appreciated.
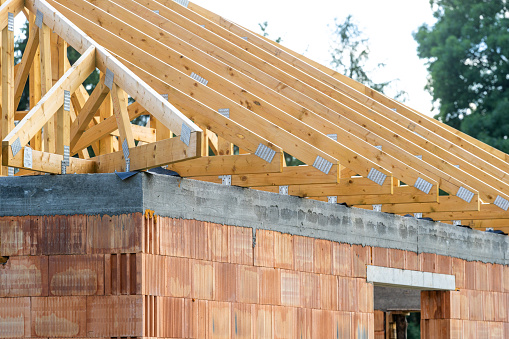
(467, 52)
(350, 55)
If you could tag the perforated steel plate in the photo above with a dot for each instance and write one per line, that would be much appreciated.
(465, 194)
(283, 190)
(265, 153)
(423, 185)
(377, 176)
(199, 78)
(502, 203)
(185, 134)
(224, 112)
(322, 165)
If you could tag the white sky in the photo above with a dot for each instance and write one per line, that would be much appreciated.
(305, 28)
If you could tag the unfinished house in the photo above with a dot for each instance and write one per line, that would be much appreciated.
(190, 224)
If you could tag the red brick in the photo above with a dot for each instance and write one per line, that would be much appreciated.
(76, 275)
(483, 329)
(303, 248)
(24, 277)
(481, 276)
(489, 306)
(285, 322)
(283, 250)
(428, 262)
(455, 328)
(470, 274)
(469, 329)
(360, 325)
(465, 304)
(264, 248)
(16, 235)
(290, 288)
(241, 245)
(323, 256)
(114, 316)
(500, 302)
(329, 292)
(15, 317)
(505, 279)
(248, 285)
(305, 324)
(476, 305)
(458, 269)
(113, 234)
(225, 281)
(397, 258)
(219, 249)
(365, 296)
(342, 259)
(202, 277)
(310, 290)
(495, 277)
(59, 317)
(177, 276)
(169, 317)
(198, 239)
(219, 320)
(59, 235)
(342, 324)
(348, 294)
(412, 261)
(380, 256)
(496, 330)
(454, 304)
(174, 238)
(322, 323)
(361, 258)
(262, 321)
(270, 286)
(242, 325)
(444, 264)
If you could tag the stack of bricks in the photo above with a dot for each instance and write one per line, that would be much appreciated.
(138, 275)
(379, 324)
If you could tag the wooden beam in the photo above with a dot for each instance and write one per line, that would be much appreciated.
(7, 83)
(164, 152)
(47, 106)
(26, 63)
(88, 111)
(12, 6)
(119, 100)
(487, 212)
(401, 195)
(294, 175)
(140, 133)
(34, 85)
(46, 84)
(228, 165)
(105, 128)
(136, 87)
(49, 162)
(345, 187)
(63, 120)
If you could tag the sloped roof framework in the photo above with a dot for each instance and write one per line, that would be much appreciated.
(228, 86)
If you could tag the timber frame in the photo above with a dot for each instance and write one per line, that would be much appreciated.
(209, 86)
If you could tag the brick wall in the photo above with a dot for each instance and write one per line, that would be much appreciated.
(146, 276)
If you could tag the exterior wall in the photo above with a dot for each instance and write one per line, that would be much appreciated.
(135, 276)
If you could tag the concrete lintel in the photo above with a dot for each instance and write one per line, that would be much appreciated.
(386, 276)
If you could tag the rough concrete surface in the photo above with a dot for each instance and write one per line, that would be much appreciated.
(191, 199)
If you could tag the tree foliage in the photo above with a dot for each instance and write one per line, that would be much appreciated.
(350, 55)
(467, 52)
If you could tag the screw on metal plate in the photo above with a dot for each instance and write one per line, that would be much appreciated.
(332, 199)
(184, 3)
(224, 112)
(226, 180)
(419, 157)
(108, 78)
(379, 147)
(16, 147)
(244, 37)
(10, 171)
(457, 166)
(185, 134)
(502, 203)
(67, 151)
(423, 185)
(265, 153)
(456, 222)
(27, 157)
(63, 167)
(10, 21)
(38, 19)
(202, 26)
(199, 79)
(333, 136)
(377, 208)
(127, 165)
(322, 164)
(125, 149)
(418, 215)
(156, 11)
(283, 190)
(377, 176)
(465, 194)
(165, 96)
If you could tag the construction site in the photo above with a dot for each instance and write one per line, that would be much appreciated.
(160, 204)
